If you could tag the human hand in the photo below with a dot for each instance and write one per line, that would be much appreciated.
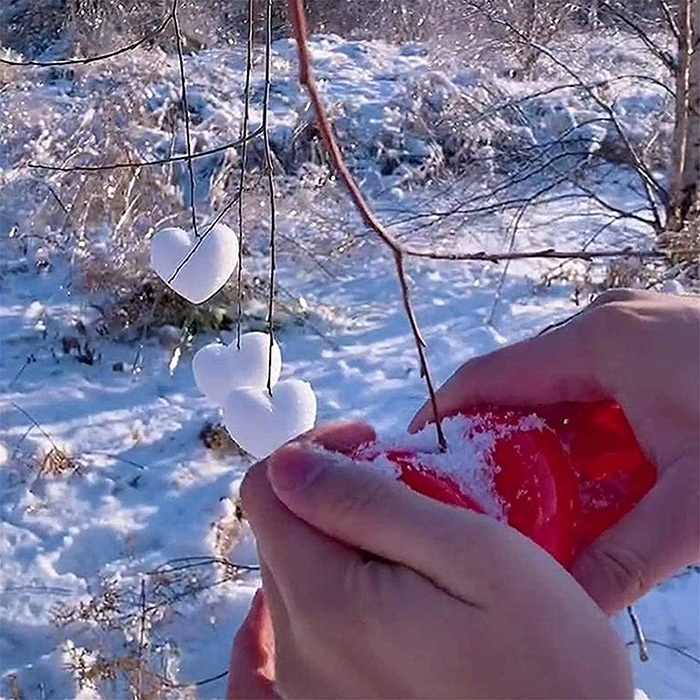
(377, 591)
(642, 350)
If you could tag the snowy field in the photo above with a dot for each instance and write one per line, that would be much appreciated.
(107, 571)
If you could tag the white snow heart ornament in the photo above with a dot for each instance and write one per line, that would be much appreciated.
(195, 268)
(261, 423)
(219, 369)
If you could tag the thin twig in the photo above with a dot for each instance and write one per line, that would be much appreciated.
(271, 189)
(547, 253)
(136, 365)
(669, 17)
(142, 163)
(186, 114)
(649, 182)
(36, 424)
(204, 681)
(306, 78)
(511, 244)
(619, 11)
(638, 634)
(670, 647)
(116, 458)
(101, 57)
(241, 182)
(183, 563)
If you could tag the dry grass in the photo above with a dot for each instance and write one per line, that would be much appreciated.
(227, 532)
(216, 438)
(125, 648)
(56, 463)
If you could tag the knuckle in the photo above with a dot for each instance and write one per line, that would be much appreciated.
(602, 328)
(362, 585)
(624, 570)
(610, 296)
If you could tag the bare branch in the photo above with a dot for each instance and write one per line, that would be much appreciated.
(144, 163)
(270, 187)
(198, 684)
(662, 55)
(306, 78)
(186, 115)
(241, 182)
(511, 244)
(36, 424)
(548, 254)
(670, 19)
(670, 647)
(101, 57)
(649, 182)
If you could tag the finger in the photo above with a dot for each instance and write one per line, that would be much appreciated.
(549, 368)
(291, 549)
(251, 675)
(651, 543)
(341, 437)
(279, 615)
(622, 294)
(373, 512)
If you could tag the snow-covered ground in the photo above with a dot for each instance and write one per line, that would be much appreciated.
(93, 558)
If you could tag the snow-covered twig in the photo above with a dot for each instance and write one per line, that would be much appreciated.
(670, 19)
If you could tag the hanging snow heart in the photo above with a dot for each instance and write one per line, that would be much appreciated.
(261, 423)
(218, 368)
(195, 268)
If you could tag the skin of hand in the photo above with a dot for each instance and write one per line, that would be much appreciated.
(373, 590)
(643, 350)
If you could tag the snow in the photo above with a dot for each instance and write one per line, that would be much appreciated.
(261, 423)
(219, 368)
(259, 414)
(196, 267)
(146, 491)
(466, 461)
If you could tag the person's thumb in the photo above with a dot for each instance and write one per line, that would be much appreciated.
(657, 539)
(370, 510)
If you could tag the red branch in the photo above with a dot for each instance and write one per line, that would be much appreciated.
(306, 78)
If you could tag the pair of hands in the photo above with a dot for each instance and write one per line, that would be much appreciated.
(374, 590)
